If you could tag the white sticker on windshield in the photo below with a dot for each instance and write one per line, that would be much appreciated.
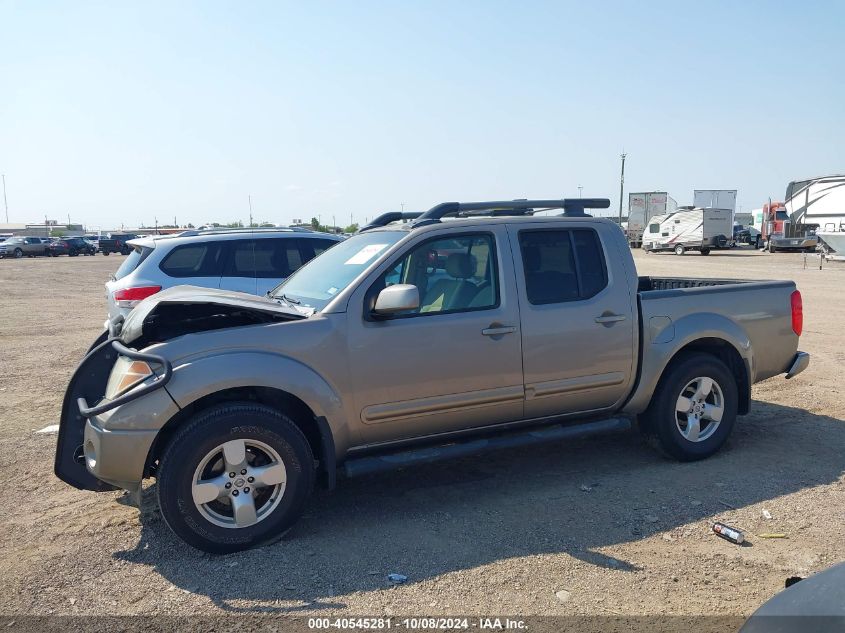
(365, 254)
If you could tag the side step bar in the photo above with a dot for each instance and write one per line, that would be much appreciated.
(371, 464)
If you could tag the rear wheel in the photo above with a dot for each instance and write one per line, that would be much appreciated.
(679, 249)
(234, 477)
(694, 408)
(705, 251)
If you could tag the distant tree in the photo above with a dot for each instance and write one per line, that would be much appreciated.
(352, 228)
(190, 226)
(315, 223)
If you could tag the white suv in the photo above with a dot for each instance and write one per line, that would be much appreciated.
(251, 261)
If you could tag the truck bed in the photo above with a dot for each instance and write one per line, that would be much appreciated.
(647, 284)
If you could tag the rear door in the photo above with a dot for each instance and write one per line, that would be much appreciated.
(577, 319)
(239, 269)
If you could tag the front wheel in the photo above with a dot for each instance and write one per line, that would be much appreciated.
(679, 249)
(235, 476)
(693, 409)
(18, 253)
(705, 251)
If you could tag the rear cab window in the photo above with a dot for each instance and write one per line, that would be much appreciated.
(562, 265)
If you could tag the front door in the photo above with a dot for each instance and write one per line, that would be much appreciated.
(456, 361)
(577, 321)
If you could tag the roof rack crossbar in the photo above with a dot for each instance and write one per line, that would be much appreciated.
(571, 206)
(391, 216)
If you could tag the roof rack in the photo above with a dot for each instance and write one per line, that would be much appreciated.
(572, 207)
(255, 229)
(391, 216)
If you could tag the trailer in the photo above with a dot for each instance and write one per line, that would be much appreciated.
(689, 230)
(715, 199)
(641, 208)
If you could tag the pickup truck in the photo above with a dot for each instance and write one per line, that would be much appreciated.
(116, 243)
(449, 333)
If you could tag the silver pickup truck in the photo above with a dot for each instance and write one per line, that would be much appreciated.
(470, 327)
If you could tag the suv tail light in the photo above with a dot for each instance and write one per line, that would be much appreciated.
(129, 297)
(797, 312)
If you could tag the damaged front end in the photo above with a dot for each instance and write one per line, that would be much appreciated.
(176, 312)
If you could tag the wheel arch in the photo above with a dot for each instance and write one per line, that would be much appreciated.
(315, 428)
(705, 333)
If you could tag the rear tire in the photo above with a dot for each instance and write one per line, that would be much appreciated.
(264, 437)
(705, 251)
(693, 433)
(679, 249)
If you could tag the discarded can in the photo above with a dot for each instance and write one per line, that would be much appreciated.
(727, 532)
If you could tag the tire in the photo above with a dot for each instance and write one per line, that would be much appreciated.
(195, 453)
(18, 253)
(106, 253)
(665, 426)
(705, 251)
(679, 249)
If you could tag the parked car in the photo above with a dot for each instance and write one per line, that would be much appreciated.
(815, 603)
(116, 243)
(71, 246)
(94, 240)
(246, 261)
(23, 246)
(237, 403)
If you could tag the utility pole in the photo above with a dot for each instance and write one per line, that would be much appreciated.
(579, 190)
(6, 202)
(156, 221)
(334, 225)
(402, 204)
(622, 187)
(249, 198)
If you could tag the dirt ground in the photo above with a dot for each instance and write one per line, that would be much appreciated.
(607, 520)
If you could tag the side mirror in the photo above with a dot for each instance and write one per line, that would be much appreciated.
(397, 298)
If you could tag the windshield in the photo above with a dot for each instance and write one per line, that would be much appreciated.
(321, 279)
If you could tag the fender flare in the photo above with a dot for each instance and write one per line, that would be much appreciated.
(195, 378)
(675, 337)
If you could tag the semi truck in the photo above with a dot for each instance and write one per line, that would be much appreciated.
(641, 208)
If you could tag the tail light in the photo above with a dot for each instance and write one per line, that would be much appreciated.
(129, 297)
(797, 312)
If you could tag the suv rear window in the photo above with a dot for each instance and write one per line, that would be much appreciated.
(559, 266)
(194, 260)
(132, 261)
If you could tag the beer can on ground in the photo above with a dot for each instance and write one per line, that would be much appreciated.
(727, 532)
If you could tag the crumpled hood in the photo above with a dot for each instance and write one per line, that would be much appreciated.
(186, 309)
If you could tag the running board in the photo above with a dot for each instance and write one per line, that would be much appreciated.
(371, 464)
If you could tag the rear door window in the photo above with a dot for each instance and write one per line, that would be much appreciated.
(562, 265)
(277, 258)
(194, 260)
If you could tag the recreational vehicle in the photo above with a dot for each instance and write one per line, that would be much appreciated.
(689, 230)
(819, 204)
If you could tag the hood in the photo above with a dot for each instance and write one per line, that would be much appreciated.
(190, 309)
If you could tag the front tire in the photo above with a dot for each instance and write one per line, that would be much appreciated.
(693, 409)
(679, 249)
(18, 253)
(235, 476)
(705, 251)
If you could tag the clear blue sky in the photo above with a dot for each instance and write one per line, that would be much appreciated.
(119, 112)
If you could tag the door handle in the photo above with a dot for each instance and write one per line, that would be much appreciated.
(606, 318)
(498, 330)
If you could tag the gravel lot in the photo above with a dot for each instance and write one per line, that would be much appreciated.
(607, 520)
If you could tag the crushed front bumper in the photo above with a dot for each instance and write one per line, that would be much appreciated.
(799, 364)
(105, 446)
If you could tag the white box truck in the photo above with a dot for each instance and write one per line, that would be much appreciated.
(641, 208)
(715, 199)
